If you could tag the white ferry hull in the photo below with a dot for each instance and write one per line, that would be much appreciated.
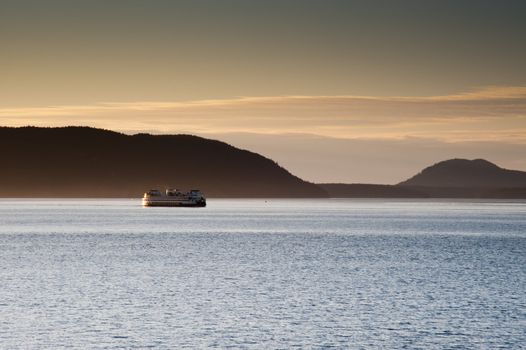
(168, 202)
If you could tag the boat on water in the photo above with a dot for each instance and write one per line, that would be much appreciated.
(173, 198)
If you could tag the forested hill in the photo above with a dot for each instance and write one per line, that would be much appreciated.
(467, 173)
(453, 178)
(88, 162)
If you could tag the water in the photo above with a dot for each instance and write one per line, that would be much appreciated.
(365, 274)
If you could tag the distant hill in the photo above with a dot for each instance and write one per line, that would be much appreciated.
(467, 173)
(455, 178)
(88, 162)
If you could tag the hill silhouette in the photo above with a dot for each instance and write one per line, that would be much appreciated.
(467, 173)
(88, 162)
(454, 178)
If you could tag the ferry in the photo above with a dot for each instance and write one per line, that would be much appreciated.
(173, 198)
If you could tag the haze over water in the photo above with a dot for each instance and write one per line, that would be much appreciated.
(263, 274)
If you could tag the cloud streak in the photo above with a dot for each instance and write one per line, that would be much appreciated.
(493, 113)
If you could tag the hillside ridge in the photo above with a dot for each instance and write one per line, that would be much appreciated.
(459, 172)
(89, 162)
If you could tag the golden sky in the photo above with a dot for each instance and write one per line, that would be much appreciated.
(490, 114)
(445, 76)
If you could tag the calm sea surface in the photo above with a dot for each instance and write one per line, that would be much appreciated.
(263, 274)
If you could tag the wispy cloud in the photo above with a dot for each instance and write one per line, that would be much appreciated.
(496, 113)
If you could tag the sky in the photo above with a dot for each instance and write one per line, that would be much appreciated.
(335, 91)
